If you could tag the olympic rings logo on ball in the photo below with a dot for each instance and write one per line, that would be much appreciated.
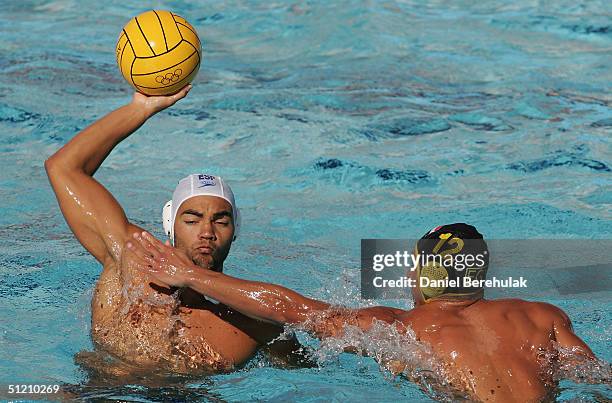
(169, 77)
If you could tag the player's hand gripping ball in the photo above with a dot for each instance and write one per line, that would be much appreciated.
(158, 52)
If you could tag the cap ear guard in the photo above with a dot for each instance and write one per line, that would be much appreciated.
(167, 221)
(237, 224)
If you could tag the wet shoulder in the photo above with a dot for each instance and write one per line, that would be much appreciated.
(518, 304)
(540, 313)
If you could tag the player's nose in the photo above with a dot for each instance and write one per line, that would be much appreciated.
(206, 230)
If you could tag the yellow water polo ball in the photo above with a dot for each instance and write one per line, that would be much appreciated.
(158, 52)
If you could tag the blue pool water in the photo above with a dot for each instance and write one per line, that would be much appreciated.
(333, 123)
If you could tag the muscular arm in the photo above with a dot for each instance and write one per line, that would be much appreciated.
(279, 305)
(576, 361)
(91, 211)
(262, 301)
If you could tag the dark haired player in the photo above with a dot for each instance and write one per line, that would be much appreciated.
(490, 350)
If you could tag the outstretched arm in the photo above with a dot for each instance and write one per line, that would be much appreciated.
(263, 301)
(91, 211)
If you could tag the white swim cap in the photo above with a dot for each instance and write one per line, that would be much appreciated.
(198, 185)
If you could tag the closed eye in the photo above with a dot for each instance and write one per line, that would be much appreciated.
(222, 217)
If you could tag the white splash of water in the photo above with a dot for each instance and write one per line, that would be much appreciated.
(395, 348)
(570, 363)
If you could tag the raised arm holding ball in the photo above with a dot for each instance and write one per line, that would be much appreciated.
(158, 53)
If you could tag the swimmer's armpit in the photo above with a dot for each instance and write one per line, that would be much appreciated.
(169, 266)
(564, 333)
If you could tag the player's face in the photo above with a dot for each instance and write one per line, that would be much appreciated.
(204, 230)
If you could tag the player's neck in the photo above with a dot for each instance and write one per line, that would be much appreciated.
(454, 303)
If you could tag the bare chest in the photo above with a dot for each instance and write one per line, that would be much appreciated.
(141, 325)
